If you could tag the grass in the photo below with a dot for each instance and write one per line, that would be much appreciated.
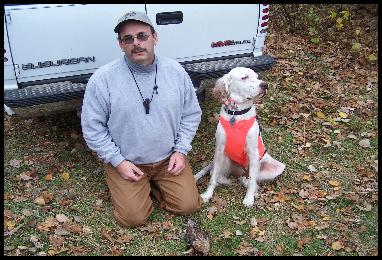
(288, 222)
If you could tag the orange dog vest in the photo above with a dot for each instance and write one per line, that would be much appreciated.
(236, 138)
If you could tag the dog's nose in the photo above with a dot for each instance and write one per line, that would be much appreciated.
(263, 85)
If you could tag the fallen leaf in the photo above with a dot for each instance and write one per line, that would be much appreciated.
(307, 177)
(302, 242)
(39, 201)
(25, 176)
(46, 225)
(240, 222)
(10, 224)
(61, 218)
(65, 176)
(326, 218)
(212, 210)
(48, 197)
(334, 183)
(72, 227)
(372, 57)
(343, 114)
(226, 234)
(15, 163)
(364, 143)
(106, 236)
(303, 194)
(238, 233)
(337, 245)
(312, 168)
(253, 222)
(246, 249)
(366, 208)
(86, 230)
(292, 225)
(320, 115)
(60, 231)
(49, 177)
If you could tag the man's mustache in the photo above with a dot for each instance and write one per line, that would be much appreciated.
(138, 49)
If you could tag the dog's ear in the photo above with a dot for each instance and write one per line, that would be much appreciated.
(221, 89)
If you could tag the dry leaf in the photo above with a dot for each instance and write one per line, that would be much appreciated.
(240, 222)
(334, 183)
(65, 176)
(61, 218)
(10, 224)
(364, 143)
(343, 114)
(226, 234)
(46, 225)
(212, 210)
(15, 163)
(49, 177)
(61, 232)
(366, 208)
(312, 168)
(39, 201)
(48, 197)
(105, 236)
(302, 242)
(292, 225)
(307, 177)
(253, 222)
(326, 218)
(303, 194)
(320, 115)
(25, 176)
(337, 245)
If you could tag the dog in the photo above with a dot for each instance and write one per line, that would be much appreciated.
(239, 146)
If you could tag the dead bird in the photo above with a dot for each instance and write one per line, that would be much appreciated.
(197, 240)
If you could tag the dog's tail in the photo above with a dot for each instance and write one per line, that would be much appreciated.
(203, 171)
(270, 168)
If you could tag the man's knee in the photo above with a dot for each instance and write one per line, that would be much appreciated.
(131, 219)
(189, 206)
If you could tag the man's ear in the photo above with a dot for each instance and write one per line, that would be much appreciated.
(155, 36)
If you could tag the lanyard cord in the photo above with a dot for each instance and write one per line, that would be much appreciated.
(155, 88)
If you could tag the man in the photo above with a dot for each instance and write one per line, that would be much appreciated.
(140, 114)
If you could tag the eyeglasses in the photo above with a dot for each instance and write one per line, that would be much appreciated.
(129, 39)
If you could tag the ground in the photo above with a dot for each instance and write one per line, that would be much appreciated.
(319, 117)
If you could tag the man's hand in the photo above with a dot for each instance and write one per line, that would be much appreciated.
(177, 163)
(129, 171)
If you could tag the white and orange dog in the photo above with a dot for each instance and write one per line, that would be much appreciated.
(239, 146)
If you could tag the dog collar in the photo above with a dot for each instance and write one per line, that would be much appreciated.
(235, 112)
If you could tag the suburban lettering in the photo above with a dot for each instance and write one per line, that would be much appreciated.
(45, 64)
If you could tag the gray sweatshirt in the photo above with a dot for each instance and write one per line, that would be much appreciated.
(114, 121)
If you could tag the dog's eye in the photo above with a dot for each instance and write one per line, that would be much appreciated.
(246, 77)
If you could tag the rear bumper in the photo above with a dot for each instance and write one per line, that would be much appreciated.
(216, 68)
(67, 90)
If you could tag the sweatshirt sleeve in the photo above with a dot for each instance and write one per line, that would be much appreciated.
(190, 118)
(94, 118)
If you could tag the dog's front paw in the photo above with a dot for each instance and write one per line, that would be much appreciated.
(205, 197)
(249, 201)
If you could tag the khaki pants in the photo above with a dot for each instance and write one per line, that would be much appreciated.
(131, 200)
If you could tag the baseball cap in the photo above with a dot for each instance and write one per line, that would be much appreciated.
(133, 15)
